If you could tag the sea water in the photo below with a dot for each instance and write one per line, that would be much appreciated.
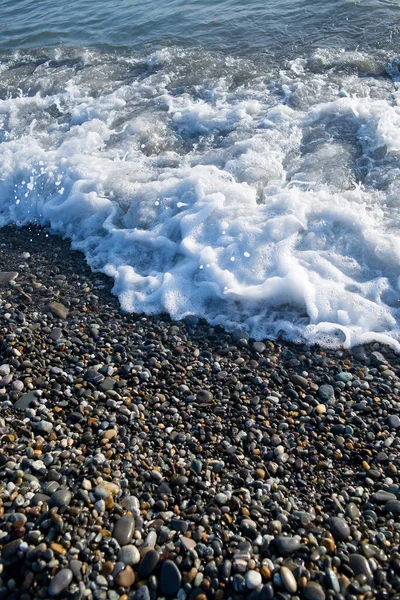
(235, 160)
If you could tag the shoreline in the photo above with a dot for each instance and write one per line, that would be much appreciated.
(145, 458)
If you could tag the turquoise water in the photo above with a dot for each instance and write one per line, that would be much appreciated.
(237, 26)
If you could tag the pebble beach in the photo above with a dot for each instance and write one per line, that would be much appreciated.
(142, 458)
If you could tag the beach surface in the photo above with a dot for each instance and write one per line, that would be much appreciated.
(145, 458)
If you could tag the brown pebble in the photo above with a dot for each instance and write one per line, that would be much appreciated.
(110, 434)
(189, 577)
(265, 572)
(109, 502)
(126, 577)
(260, 474)
(107, 568)
(206, 584)
(105, 532)
(302, 582)
(58, 549)
(328, 543)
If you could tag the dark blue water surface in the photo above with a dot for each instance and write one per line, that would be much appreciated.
(235, 26)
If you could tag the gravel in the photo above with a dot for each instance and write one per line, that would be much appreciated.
(143, 459)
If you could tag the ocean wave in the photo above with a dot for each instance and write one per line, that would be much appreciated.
(258, 196)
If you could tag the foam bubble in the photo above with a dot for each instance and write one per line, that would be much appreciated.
(265, 202)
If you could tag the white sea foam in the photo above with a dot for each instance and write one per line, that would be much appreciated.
(260, 200)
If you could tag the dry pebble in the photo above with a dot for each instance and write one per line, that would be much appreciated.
(144, 459)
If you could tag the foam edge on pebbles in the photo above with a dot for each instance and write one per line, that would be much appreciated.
(142, 458)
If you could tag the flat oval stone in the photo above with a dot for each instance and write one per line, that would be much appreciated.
(360, 566)
(149, 563)
(7, 276)
(188, 543)
(288, 580)
(382, 496)
(76, 568)
(142, 593)
(60, 582)
(170, 578)
(393, 421)
(326, 392)
(39, 498)
(129, 555)
(126, 577)
(313, 591)
(124, 530)
(339, 528)
(58, 310)
(151, 539)
(204, 396)
(287, 545)
(10, 548)
(259, 347)
(253, 579)
(93, 375)
(179, 525)
(352, 511)
(60, 498)
(55, 334)
(300, 381)
(42, 427)
(332, 580)
(393, 506)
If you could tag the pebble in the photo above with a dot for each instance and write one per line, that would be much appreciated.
(287, 545)
(142, 593)
(10, 549)
(60, 582)
(288, 580)
(394, 421)
(313, 591)
(253, 579)
(58, 310)
(360, 566)
(188, 543)
(382, 496)
(300, 381)
(326, 392)
(43, 427)
(124, 530)
(204, 396)
(60, 498)
(393, 506)
(259, 347)
(55, 334)
(126, 577)
(352, 511)
(339, 528)
(332, 580)
(7, 276)
(25, 401)
(148, 563)
(170, 578)
(129, 555)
